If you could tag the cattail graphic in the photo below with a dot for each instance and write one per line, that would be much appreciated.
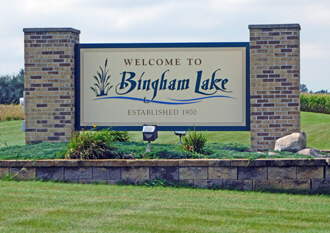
(102, 85)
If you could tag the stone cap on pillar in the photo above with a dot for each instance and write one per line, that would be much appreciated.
(274, 26)
(51, 30)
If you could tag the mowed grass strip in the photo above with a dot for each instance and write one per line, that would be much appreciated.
(316, 126)
(57, 207)
(11, 134)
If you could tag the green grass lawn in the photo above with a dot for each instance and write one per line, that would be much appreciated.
(11, 134)
(212, 136)
(317, 129)
(316, 126)
(58, 207)
(36, 206)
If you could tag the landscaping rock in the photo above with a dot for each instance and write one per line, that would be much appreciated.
(311, 152)
(293, 142)
(269, 153)
(272, 153)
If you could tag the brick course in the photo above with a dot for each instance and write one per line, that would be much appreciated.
(49, 83)
(275, 83)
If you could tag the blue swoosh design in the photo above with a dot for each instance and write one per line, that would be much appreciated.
(207, 97)
(142, 100)
(179, 102)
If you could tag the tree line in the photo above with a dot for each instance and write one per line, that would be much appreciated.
(303, 88)
(11, 88)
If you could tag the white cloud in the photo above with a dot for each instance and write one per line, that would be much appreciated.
(317, 13)
(315, 51)
(30, 7)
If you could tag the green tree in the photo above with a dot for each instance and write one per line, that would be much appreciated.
(322, 91)
(303, 88)
(11, 88)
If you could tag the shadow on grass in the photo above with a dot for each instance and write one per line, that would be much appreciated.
(182, 185)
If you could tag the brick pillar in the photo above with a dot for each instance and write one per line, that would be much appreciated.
(49, 57)
(275, 83)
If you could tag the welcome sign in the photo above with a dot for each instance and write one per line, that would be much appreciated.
(177, 86)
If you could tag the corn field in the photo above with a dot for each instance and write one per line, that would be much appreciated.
(319, 103)
(11, 112)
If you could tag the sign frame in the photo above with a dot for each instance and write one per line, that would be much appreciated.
(78, 48)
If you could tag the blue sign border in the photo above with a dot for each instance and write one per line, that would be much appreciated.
(78, 47)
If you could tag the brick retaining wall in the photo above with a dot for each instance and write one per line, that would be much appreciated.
(241, 174)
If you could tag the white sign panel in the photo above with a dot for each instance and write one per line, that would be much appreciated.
(175, 86)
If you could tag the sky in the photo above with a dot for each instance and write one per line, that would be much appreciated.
(145, 21)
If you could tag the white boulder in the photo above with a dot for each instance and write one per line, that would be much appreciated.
(293, 142)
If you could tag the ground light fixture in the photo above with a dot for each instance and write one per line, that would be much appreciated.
(180, 134)
(150, 133)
